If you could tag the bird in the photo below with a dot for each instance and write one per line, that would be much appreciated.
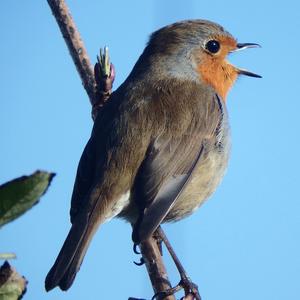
(161, 144)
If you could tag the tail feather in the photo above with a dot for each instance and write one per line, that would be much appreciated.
(70, 274)
(70, 257)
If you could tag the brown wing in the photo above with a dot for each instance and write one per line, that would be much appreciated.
(169, 165)
(94, 156)
(169, 192)
(113, 154)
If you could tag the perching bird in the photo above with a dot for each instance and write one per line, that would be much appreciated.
(160, 145)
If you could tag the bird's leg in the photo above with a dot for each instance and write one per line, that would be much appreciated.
(185, 282)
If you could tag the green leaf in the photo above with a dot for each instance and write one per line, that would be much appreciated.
(12, 284)
(20, 194)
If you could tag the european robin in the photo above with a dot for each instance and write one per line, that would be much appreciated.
(160, 145)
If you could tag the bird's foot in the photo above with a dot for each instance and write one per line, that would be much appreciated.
(190, 290)
(166, 293)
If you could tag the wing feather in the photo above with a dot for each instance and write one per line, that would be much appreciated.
(169, 165)
(164, 201)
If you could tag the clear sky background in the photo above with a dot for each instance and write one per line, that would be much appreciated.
(244, 242)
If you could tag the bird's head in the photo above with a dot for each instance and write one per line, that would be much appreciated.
(195, 50)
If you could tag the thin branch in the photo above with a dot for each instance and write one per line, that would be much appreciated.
(155, 267)
(99, 92)
(76, 47)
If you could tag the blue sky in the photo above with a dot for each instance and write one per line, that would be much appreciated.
(244, 242)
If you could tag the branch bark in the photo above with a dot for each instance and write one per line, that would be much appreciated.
(149, 249)
(76, 47)
(155, 267)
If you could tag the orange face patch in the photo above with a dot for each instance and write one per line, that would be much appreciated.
(215, 70)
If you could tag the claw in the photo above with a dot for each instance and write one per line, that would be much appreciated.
(142, 261)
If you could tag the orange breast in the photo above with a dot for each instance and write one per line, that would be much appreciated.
(218, 73)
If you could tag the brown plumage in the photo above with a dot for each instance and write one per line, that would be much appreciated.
(160, 146)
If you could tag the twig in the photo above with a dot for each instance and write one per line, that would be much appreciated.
(99, 92)
(76, 47)
(155, 267)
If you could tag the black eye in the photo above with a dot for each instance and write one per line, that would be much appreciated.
(212, 46)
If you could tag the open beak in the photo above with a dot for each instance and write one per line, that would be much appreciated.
(242, 46)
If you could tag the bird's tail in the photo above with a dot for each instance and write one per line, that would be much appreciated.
(70, 257)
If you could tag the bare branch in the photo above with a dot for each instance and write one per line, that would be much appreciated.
(76, 47)
(155, 267)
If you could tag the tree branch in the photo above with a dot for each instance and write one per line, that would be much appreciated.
(155, 267)
(99, 90)
(76, 47)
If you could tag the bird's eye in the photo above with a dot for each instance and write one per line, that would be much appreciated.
(212, 46)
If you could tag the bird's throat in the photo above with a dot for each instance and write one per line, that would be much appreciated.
(221, 75)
